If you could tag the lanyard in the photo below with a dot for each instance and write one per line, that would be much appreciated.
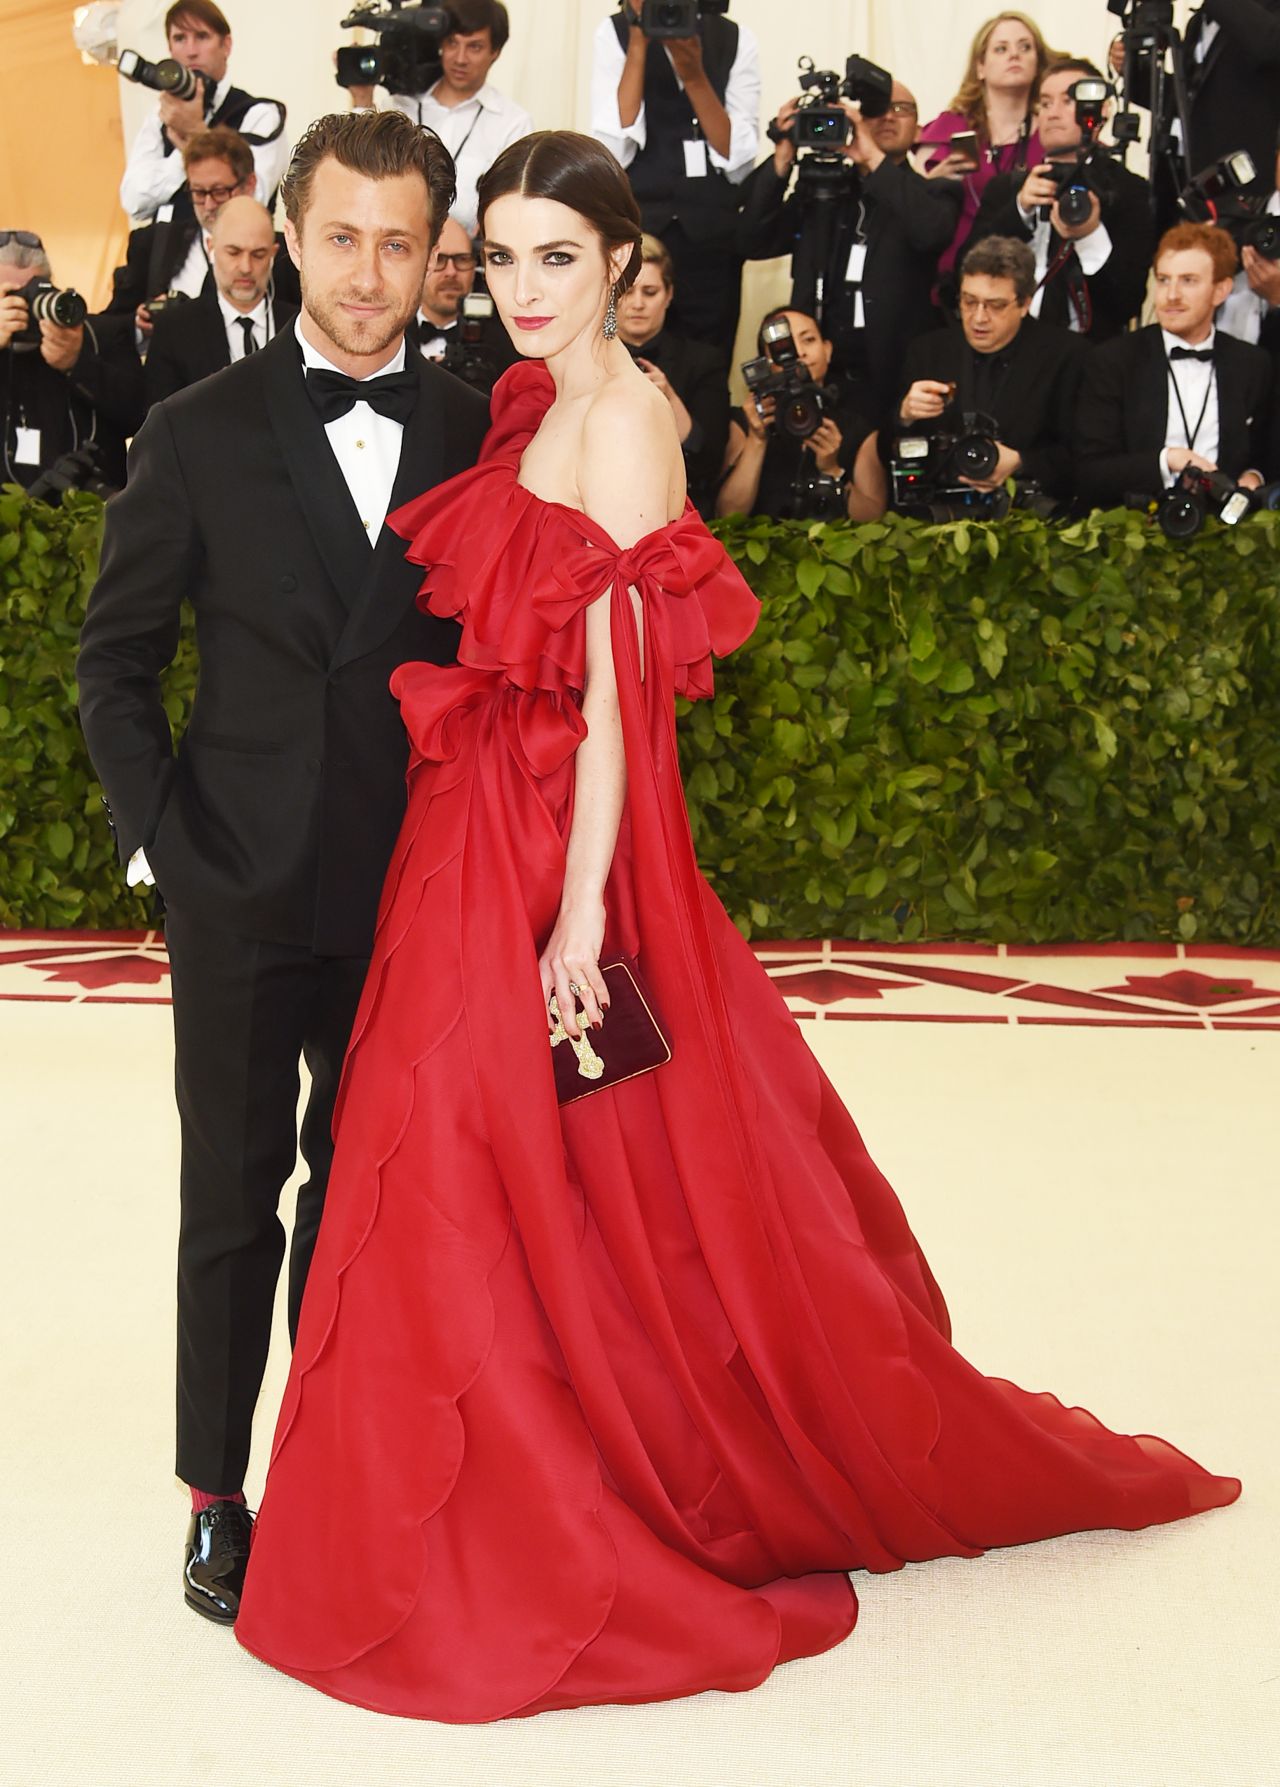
(1187, 429)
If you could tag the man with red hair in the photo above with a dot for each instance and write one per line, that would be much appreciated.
(1179, 393)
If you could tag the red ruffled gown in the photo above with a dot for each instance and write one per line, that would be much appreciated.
(602, 1404)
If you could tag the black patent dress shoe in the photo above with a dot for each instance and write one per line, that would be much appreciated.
(218, 1541)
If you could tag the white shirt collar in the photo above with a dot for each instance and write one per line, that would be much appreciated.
(1173, 341)
(488, 99)
(231, 315)
(313, 357)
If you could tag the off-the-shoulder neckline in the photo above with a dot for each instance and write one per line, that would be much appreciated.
(581, 519)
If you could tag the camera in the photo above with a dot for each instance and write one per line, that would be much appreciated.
(167, 76)
(80, 469)
(1215, 195)
(799, 404)
(1076, 180)
(465, 356)
(406, 57)
(820, 123)
(47, 303)
(664, 19)
(816, 497)
(927, 465)
(1196, 495)
(164, 301)
(1262, 233)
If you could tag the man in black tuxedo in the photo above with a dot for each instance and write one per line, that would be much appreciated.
(1091, 276)
(874, 248)
(239, 317)
(1179, 393)
(259, 497)
(437, 330)
(1003, 364)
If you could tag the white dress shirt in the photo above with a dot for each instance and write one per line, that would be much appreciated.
(1092, 252)
(365, 444)
(1195, 383)
(261, 318)
(1245, 310)
(475, 133)
(741, 102)
(151, 177)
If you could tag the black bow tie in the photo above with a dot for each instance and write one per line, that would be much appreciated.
(333, 393)
(1191, 353)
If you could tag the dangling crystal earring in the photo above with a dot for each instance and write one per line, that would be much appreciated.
(611, 314)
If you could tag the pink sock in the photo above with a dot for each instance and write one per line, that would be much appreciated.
(200, 1501)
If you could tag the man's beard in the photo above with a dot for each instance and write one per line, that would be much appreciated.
(353, 335)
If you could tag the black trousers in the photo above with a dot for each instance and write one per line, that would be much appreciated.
(708, 282)
(245, 1012)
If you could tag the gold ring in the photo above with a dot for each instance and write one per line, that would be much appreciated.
(575, 989)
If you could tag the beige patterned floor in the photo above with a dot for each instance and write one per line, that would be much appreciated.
(1099, 1204)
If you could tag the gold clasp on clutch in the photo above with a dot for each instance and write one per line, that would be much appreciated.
(590, 1066)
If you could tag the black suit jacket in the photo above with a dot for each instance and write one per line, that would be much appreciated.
(189, 342)
(1117, 289)
(696, 375)
(1235, 91)
(908, 221)
(1123, 413)
(155, 253)
(1036, 401)
(100, 399)
(277, 816)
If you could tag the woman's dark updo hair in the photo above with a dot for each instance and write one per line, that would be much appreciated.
(575, 171)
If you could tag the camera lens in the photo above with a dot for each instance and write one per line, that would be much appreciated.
(801, 414)
(1181, 515)
(1074, 206)
(976, 456)
(1264, 235)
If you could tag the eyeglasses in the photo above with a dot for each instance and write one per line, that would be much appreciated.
(902, 108)
(23, 239)
(216, 195)
(996, 306)
(465, 263)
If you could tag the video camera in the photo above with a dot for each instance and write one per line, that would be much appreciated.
(47, 303)
(406, 57)
(1077, 179)
(166, 76)
(821, 129)
(928, 463)
(799, 404)
(1196, 495)
(666, 19)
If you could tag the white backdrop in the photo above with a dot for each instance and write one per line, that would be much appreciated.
(284, 47)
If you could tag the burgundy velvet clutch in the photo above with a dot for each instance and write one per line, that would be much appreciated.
(631, 1040)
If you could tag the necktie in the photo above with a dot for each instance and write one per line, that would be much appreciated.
(333, 393)
(1191, 353)
(246, 329)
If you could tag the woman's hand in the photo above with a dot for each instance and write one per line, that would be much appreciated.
(573, 955)
(759, 416)
(951, 167)
(825, 443)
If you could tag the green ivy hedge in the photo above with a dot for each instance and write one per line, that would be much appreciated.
(997, 731)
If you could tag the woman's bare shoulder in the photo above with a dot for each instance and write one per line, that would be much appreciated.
(631, 463)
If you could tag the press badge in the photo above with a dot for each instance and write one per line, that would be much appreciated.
(695, 159)
(857, 264)
(27, 451)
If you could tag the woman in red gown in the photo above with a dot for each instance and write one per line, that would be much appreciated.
(602, 1402)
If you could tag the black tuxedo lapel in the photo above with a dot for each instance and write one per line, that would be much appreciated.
(390, 583)
(1152, 394)
(214, 347)
(313, 471)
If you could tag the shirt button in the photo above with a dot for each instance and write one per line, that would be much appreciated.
(365, 525)
(360, 444)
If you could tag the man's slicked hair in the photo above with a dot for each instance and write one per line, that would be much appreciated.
(1003, 257)
(379, 145)
(200, 12)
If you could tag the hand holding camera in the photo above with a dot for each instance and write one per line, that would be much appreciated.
(13, 314)
(1262, 272)
(926, 399)
(181, 118)
(41, 315)
(825, 443)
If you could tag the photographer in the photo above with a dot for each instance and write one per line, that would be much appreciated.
(1232, 57)
(60, 386)
(472, 119)
(689, 375)
(1091, 271)
(768, 470)
(1252, 312)
(238, 317)
(1179, 393)
(682, 117)
(166, 257)
(880, 248)
(438, 330)
(199, 37)
(1022, 374)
